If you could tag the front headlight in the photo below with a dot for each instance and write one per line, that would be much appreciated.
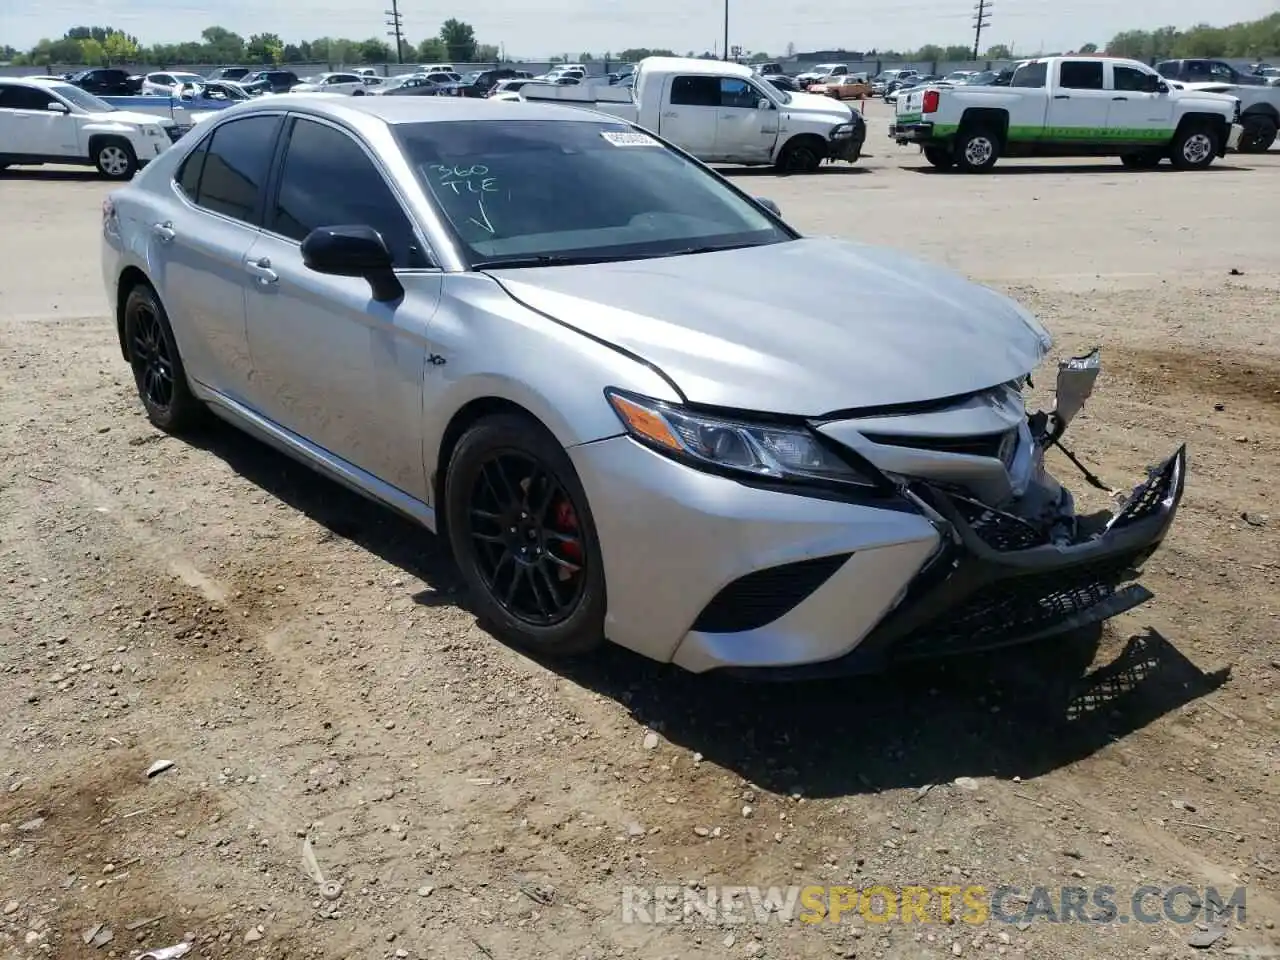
(152, 132)
(842, 131)
(776, 451)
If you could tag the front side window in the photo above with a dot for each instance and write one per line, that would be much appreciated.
(1030, 76)
(515, 190)
(1080, 74)
(319, 156)
(1131, 79)
(24, 98)
(738, 93)
(239, 156)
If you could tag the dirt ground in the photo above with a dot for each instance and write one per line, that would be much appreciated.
(306, 661)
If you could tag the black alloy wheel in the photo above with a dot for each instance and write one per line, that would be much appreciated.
(151, 361)
(157, 367)
(524, 538)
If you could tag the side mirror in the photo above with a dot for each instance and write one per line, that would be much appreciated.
(57, 106)
(764, 104)
(1162, 87)
(353, 251)
(769, 205)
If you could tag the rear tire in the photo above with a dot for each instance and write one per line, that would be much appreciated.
(977, 150)
(1194, 147)
(1258, 136)
(940, 157)
(157, 366)
(522, 533)
(114, 158)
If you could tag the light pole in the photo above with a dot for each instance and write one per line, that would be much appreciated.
(724, 51)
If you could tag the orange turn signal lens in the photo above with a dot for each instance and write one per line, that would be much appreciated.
(644, 422)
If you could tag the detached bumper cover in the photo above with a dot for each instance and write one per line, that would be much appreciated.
(981, 592)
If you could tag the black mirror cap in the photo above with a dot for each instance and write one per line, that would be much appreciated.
(353, 251)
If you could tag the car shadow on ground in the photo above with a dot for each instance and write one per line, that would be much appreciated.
(1018, 712)
(1091, 168)
(51, 175)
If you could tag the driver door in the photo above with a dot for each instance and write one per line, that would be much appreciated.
(1136, 111)
(744, 132)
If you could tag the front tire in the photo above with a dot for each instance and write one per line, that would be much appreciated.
(157, 366)
(1194, 148)
(977, 150)
(940, 157)
(522, 533)
(800, 155)
(115, 158)
(1259, 133)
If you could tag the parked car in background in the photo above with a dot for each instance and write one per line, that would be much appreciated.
(348, 83)
(430, 68)
(781, 81)
(104, 81)
(883, 80)
(415, 86)
(480, 83)
(1259, 99)
(769, 68)
(897, 88)
(52, 121)
(229, 73)
(724, 113)
(819, 72)
(164, 83)
(269, 81)
(212, 95)
(548, 357)
(1069, 107)
(850, 87)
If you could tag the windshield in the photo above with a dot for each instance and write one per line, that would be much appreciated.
(79, 98)
(519, 190)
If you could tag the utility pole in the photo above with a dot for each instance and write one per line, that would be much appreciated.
(725, 48)
(981, 20)
(396, 23)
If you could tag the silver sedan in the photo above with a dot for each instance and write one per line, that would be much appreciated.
(637, 403)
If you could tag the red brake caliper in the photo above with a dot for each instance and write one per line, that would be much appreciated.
(565, 520)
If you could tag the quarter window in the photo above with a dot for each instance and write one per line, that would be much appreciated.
(188, 178)
(317, 158)
(236, 165)
(1080, 75)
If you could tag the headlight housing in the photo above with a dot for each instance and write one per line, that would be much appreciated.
(842, 131)
(152, 132)
(766, 451)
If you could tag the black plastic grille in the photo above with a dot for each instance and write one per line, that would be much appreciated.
(1019, 608)
(997, 529)
(980, 445)
(761, 597)
(1147, 498)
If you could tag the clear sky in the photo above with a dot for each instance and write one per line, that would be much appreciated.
(536, 30)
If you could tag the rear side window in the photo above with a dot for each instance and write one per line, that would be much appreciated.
(696, 91)
(1080, 74)
(188, 177)
(235, 168)
(317, 158)
(1030, 75)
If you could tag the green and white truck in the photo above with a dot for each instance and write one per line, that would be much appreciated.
(1069, 107)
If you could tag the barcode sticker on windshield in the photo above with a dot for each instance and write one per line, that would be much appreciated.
(629, 139)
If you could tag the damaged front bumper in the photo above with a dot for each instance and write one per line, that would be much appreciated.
(999, 580)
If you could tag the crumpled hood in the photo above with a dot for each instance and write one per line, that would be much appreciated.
(807, 327)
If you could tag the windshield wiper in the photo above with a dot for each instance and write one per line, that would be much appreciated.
(709, 248)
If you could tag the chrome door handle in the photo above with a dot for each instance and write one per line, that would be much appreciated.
(261, 269)
(671, 113)
(1119, 98)
(1062, 96)
(164, 232)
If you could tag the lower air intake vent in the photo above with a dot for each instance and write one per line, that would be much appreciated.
(761, 597)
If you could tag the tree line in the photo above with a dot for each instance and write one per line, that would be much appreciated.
(456, 43)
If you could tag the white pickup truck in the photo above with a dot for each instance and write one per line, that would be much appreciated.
(723, 113)
(50, 121)
(1069, 107)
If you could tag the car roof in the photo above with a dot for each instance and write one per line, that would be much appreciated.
(693, 66)
(36, 81)
(394, 110)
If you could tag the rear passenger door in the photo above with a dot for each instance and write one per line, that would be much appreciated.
(331, 364)
(689, 113)
(198, 245)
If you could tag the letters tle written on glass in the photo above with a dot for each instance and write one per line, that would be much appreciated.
(473, 179)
